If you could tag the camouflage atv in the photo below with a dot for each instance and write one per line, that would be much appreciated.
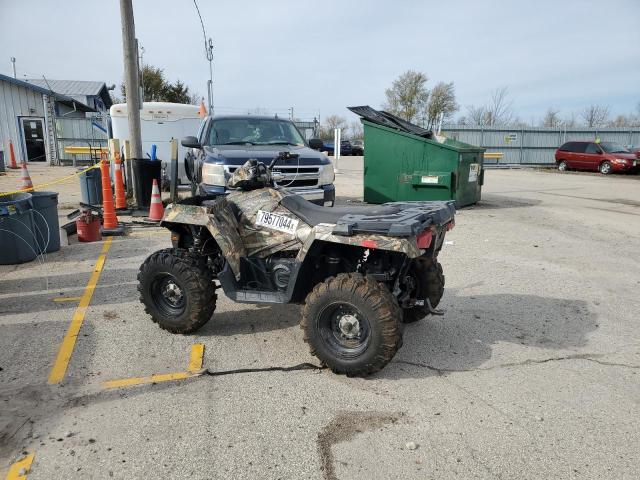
(359, 272)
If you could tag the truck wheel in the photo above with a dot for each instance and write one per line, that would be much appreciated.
(352, 324)
(177, 290)
(605, 168)
(429, 283)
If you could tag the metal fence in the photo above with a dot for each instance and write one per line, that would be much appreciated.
(534, 145)
(79, 132)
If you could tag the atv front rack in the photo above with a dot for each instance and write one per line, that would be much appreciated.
(413, 218)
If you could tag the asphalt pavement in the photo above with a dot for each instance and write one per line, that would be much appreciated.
(532, 373)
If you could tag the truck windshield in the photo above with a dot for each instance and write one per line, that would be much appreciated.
(612, 147)
(251, 131)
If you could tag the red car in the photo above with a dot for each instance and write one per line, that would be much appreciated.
(635, 150)
(604, 157)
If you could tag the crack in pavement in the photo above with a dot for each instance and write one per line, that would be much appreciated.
(590, 357)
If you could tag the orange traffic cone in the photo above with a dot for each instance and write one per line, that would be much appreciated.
(26, 179)
(109, 219)
(12, 156)
(156, 211)
(121, 199)
(202, 111)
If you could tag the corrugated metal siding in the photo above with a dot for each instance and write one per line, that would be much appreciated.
(78, 132)
(535, 145)
(17, 101)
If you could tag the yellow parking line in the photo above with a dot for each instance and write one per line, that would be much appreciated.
(197, 353)
(195, 365)
(66, 299)
(20, 469)
(68, 343)
(129, 382)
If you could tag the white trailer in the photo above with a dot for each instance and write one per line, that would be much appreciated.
(159, 123)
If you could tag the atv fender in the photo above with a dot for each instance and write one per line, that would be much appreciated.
(324, 232)
(219, 220)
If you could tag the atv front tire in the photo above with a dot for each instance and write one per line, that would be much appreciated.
(352, 324)
(177, 290)
(429, 280)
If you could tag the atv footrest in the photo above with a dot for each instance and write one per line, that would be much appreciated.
(258, 296)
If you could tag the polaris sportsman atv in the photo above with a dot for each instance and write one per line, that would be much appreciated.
(359, 272)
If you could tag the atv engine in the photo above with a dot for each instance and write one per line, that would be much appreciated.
(281, 268)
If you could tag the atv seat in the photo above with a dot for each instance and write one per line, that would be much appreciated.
(313, 214)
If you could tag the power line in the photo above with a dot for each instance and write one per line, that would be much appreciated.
(204, 33)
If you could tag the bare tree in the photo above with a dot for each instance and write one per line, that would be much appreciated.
(330, 124)
(551, 118)
(195, 98)
(477, 115)
(442, 100)
(621, 121)
(499, 110)
(570, 121)
(356, 132)
(595, 115)
(408, 96)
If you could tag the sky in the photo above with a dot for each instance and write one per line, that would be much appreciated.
(320, 57)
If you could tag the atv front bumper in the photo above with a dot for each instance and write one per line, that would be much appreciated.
(324, 195)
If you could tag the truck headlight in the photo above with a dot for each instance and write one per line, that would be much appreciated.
(326, 175)
(213, 174)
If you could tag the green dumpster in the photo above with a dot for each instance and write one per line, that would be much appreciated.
(401, 166)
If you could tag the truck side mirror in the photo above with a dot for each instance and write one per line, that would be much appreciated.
(190, 142)
(315, 143)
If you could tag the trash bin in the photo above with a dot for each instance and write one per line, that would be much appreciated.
(17, 229)
(2, 167)
(91, 186)
(144, 171)
(45, 219)
(404, 162)
(423, 169)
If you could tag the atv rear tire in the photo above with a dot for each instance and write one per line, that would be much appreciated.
(177, 290)
(429, 280)
(352, 324)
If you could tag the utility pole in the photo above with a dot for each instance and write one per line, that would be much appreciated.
(209, 47)
(290, 113)
(131, 76)
(13, 61)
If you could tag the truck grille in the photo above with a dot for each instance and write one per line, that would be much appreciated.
(295, 176)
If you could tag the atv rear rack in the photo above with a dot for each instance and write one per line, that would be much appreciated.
(413, 218)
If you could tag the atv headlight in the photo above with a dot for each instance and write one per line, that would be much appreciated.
(326, 175)
(213, 174)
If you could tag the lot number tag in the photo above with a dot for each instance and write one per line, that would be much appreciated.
(474, 169)
(429, 179)
(276, 222)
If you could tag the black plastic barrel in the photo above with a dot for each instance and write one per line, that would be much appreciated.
(144, 171)
(45, 219)
(17, 237)
(91, 186)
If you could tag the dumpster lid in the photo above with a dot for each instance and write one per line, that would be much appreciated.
(389, 120)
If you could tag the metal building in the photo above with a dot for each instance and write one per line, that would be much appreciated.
(534, 146)
(43, 117)
(93, 94)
